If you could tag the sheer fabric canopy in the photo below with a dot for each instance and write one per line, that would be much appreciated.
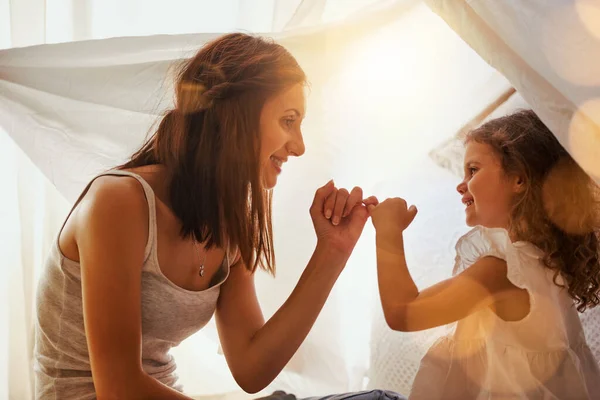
(390, 81)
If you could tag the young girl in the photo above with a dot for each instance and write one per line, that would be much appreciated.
(521, 274)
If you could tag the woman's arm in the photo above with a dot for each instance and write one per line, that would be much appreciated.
(483, 284)
(256, 351)
(111, 234)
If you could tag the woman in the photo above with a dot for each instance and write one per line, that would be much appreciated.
(154, 248)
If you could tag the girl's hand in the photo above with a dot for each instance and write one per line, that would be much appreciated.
(390, 216)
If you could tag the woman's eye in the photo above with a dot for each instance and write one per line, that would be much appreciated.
(289, 122)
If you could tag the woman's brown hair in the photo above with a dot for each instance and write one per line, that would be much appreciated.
(210, 144)
(558, 208)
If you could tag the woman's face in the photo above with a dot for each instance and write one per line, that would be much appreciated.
(281, 136)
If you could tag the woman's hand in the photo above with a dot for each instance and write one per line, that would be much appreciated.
(338, 217)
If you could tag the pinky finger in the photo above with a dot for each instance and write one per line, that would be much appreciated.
(371, 201)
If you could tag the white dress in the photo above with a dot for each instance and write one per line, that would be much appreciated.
(543, 356)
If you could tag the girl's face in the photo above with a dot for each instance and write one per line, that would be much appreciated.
(487, 191)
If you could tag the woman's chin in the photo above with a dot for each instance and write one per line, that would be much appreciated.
(269, 182)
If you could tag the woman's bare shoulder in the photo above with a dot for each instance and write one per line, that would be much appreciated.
(112, 204)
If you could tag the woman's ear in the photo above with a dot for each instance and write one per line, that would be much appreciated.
(519, 184)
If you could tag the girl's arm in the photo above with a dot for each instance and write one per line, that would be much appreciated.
(407, 309)
(483, 284)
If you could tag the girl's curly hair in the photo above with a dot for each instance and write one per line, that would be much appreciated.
(558, 210)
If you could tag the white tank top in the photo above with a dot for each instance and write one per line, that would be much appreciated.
(169, 315)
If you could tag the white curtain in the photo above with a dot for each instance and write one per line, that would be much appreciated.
(550, 52)
(390, 82)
